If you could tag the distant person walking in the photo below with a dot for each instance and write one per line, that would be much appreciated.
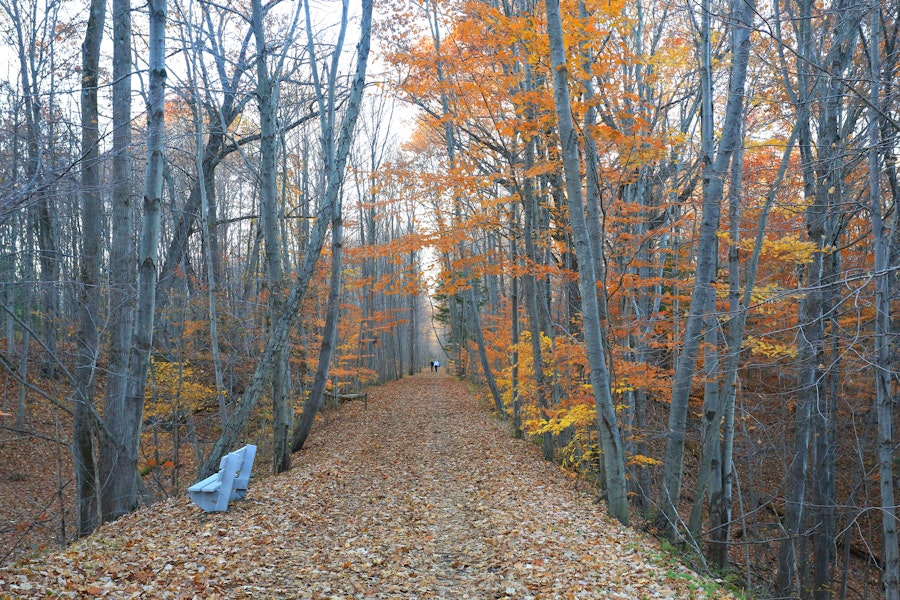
(431, 366)
(437, 365)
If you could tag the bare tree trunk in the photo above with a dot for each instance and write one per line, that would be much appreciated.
(334, 165)
(22, 393)
(267, 98)
(412, 309)
(117, 485)
(882, 236)
(613, 451)
(279, 332)
(824, 188)
(314, 402)
(533, 303)
(482, 353)
(9, 288)
(791, 551)
(711, 442)
(49, 260)
(592, 179)
(532, 289)
(148, 263)
(88, 341)
(212, 274)
(205, 189)
(704, 273)
(514, 326)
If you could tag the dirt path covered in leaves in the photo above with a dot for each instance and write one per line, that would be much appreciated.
(420, 495)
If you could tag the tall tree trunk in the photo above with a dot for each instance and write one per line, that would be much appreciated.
(237, 421)
(882, 236)
(148, 263)
(267, 99)
(514, 322)
(9, 287)
(117, 481)
(533, 302)
(314, 402)
(472, 301)
(412, 311)
(212, 279)
(326, 99)
(50, 265)
(791, 551)
(824, 189)
(26, 322)
(206, 191)
(592, 177)
(613, 451)
(712, 409)
(707, 250)
(830, 193)
(88, 341)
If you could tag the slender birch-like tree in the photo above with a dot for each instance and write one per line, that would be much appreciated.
(278, 334)
(116, 479)
(148, 259)
(715, 169)
(83, 431)
(613, 450)
(267, 86)
(884, 236)
(325, 98)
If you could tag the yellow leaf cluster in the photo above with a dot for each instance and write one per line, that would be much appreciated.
(789, 248)
(640, 460)
(769, 348)
(174, 386)
(578, 416)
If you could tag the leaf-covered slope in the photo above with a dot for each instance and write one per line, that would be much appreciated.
(420, 495)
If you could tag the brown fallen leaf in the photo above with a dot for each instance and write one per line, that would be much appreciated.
(452, 507)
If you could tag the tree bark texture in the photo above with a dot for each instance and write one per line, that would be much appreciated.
(613, 451)
(707, 249)
(882, 235)
(267, 100)
(148, 254)
(325, 98)
(329, 335)
(237, 421)
(117, 479)
(88, 341)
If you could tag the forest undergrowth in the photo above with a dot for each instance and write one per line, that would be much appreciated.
(418, 493)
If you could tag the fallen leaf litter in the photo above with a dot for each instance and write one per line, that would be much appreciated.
(420, 495)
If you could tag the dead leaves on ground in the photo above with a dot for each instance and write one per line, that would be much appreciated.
(422, 495)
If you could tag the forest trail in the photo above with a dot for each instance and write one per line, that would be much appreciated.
(421, 494)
